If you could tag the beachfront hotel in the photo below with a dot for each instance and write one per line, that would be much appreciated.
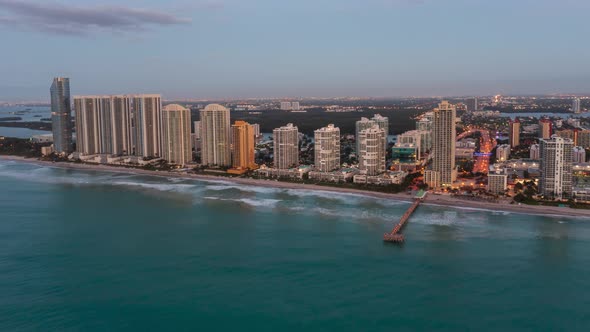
(286, 146)
(372, 153)
(215, 136)
(243, 140)
(176, 135)
(327, 148)
(443, 145)
(556, 167)
(61, 115)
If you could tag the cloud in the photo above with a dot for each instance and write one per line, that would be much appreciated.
(77, 20)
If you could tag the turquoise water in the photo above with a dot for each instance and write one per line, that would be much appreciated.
(96, 251)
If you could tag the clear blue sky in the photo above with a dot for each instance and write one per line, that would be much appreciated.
(281, 48)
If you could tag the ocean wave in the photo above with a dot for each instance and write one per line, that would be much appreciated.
(244, 188)
(170, 187)
(259, 202)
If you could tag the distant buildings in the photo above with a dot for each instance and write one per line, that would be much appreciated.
(243, 141)
(579, 155)
(471, 104)
(327, 148)
(256, 128)
(290, 106)
(576, 106)
(556, 167)
(286, 147)
(371, 152)
(443, 145)
(514, 133)
(545, 128)
(535, 152)
(502, 152)
(413, 137)
(176, 135)
(215, 136)
(61, 115)
(584, 139)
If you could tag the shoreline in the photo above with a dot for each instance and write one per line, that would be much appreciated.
(433, 200)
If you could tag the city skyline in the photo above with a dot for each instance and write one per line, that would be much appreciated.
(303, 49)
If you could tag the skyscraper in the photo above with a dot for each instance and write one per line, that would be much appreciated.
(327, 148)
(576, 105)
(514, 134)
(215, 136)
(61, 115)
(424, 125)
(103, 124)
(364, 123)
(372, 153)
(545, 128)
(87, 124)
(556, 167)
(243, 142)
(286, 146)
(471, 104)
(176, 135)
(443, 143)
(120, 118)
(147, 124)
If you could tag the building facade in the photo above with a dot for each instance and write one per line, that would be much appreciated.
(502, 152)
(215, 136)
(147, 125)
(497, 183)
(545, 128)
(286, 147)
(176, 135)
(579, 155)
(471, 104)
(243, 141)
(514, 133)
(365, 123)
(556, 167)
(443, 143)
(327, 148)
(535, 152)
(372, 153)
(61, 115)
(576, 106)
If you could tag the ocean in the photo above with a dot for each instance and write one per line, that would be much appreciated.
(96, 251)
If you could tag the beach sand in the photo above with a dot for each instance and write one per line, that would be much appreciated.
(431, 199)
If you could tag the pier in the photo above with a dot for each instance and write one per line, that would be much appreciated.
(395, 236)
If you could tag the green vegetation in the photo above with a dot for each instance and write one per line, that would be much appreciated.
(21, 147)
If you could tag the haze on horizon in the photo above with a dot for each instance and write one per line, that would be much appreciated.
(305, 48)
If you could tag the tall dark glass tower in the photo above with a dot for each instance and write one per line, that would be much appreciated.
(61, 115)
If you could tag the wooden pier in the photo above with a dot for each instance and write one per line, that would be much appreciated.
(395, 236)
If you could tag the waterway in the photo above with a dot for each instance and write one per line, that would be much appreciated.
(94, 251)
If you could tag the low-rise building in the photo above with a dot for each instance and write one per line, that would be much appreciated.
(386, 178)
(497, 183)
(342, 175)
(292, 173)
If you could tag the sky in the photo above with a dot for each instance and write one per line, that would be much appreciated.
(294, 48)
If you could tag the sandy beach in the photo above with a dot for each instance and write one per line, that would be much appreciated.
(431, 199)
